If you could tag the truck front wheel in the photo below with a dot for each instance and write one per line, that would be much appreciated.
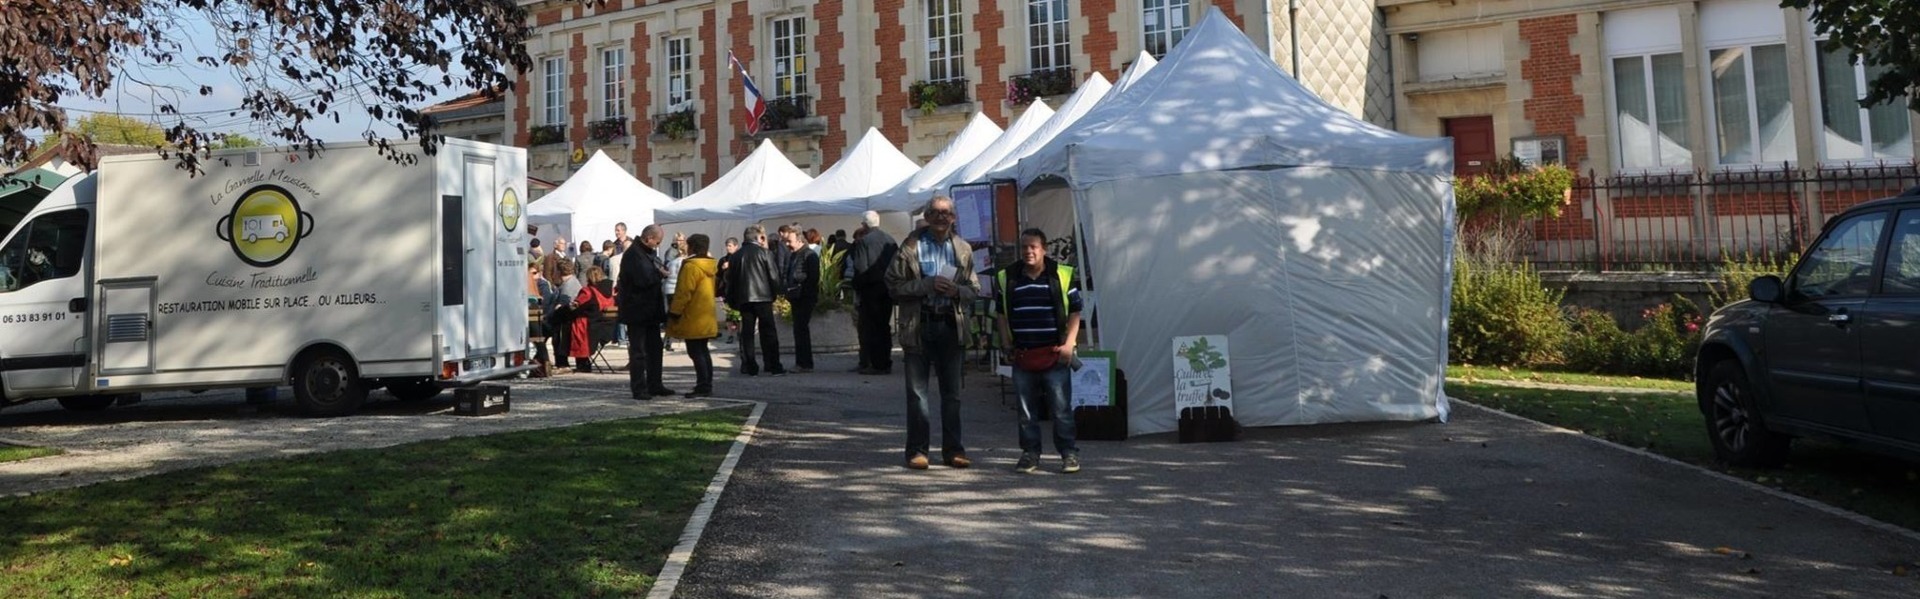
(325, 383)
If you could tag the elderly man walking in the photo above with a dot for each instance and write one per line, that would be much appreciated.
(932, 279)
(643, 308)
(871, 256)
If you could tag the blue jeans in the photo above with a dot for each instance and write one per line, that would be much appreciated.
(939, 355)
(1051, 391)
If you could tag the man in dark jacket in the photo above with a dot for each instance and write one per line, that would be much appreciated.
(643, 308)
(751, 291)
(802, 283)
(870, 259)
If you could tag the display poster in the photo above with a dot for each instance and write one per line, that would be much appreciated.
(974, 205)
(1201, 376)
(1093, 381)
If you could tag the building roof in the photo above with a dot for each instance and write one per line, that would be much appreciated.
(476, 104)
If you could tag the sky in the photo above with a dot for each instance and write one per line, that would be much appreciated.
(134, 95)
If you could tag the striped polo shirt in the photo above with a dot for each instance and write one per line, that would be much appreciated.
(1035, 319)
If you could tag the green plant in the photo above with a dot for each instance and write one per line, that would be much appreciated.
(1502, 314)
(606, 130)
(929, 95)
(546, 134)
(676, 125)
(1664, 345)
(831, 275)
(1024, 89)
(1202, 356)
(1510, 190)
(1594, 341)
(1737, 273)
(781, 112)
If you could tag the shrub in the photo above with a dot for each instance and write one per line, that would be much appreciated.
(1664, 346)
(1737, 272)
(1503, 315)
(1594, 341)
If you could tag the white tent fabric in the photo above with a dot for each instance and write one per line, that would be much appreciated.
(1030, 121)
(1219, 197)
(1145, 62)
(872, 166)
(914, 192)
(764, 174)
(598, 196)
(1078, 105)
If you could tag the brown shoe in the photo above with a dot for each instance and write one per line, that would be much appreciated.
(958, 461)
(917, 462)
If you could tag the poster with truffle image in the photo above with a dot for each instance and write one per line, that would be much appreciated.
(1201, 377)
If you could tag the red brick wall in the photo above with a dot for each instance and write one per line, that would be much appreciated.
(1746, 204)
(892, 69)
(1653, 206)
(1101, 42)
(578, 107)
(1551, 67)
(830, 73)
(640, 99)
(546, 17)
(1233, 13)
(718, 73)
(1570, 224)
(990, 92)
(522, 111)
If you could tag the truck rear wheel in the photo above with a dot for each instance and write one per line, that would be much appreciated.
(414, 389)
(87, 403)
(325, 383)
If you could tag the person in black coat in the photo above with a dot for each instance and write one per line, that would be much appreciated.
(643, 309)
(869, 260)
(751, 290)
(802, 282)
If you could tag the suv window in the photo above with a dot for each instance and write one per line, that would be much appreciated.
(1843, 262)
(1903, 256)
(50, 247)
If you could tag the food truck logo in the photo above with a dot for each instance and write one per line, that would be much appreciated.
(510, 210)
(265, 226)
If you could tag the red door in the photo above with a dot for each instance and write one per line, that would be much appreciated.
(1473, 149)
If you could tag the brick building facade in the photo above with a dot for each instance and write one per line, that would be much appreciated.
(833, 68)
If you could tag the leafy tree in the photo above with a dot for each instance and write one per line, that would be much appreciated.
(107, 128)
(294, 62)
(235, 140)
(1882, 33)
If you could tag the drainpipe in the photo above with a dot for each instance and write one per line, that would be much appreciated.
(1293, 34)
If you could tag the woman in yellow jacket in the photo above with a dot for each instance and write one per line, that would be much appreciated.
(690, 316)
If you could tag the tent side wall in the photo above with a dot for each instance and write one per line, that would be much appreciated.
(1329, 283)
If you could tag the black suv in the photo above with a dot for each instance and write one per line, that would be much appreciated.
(1833, 350)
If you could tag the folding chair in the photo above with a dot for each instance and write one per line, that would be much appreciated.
(601, 330)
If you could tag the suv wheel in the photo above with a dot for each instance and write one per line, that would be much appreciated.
(1739, 437)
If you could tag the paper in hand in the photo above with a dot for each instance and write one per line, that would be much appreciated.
(946, 271)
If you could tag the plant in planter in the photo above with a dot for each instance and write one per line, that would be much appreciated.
(1025, 89)
(676, 125)
(930, 95)
(607, 130)
(781, 112)
(547, 134)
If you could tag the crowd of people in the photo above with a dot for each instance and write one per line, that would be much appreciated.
(916, 291)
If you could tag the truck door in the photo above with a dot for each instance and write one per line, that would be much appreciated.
(43, 292)
(483, 324)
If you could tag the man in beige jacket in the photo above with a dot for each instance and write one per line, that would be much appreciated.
(932, 281)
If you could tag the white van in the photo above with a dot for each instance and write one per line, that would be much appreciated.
(337, 275)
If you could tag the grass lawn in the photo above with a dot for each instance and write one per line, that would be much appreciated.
(1500, 373)
(12, 453)
(1881, 487)
(590, 510)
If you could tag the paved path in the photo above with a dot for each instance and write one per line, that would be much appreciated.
(1484, 506)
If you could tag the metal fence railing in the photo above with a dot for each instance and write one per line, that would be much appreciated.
(1694, 221)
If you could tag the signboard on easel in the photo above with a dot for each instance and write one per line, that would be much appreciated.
(1202, 378)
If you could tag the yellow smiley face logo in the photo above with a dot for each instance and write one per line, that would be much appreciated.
(265, 226)
(510, 210)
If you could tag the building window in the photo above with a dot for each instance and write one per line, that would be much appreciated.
(1650, 111)
(789, 57)
(556, 92)
(1163, 22)
(1753, 113)
(1048, 46)
(945, 42)
(1453, 54)
(613, 83)
(678, 187)
(679, 72)
(1849, 132)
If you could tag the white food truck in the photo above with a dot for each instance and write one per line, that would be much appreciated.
(337, 275)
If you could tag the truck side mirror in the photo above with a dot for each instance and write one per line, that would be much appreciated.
(1766, 289)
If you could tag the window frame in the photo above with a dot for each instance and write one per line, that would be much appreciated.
(1653, 112)
(27, 228)
(955, 36)
(686, 183)
(796, 60)
(554, 97)
(1711, 99)
(613, 83)
(1819, 97)
(679, 68)
(1165, 10)
(1874, 258)
(1061, 44)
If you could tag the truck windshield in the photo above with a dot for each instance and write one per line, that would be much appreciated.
(48, 247)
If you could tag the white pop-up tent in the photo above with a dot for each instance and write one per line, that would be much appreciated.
(1218, 196)
(871, 166)
(1145, 62)
(914, 192)
(1052, 212)
(723, 209)
(1036, 115)
(588, 205)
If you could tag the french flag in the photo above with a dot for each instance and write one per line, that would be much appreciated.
(756, 104)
